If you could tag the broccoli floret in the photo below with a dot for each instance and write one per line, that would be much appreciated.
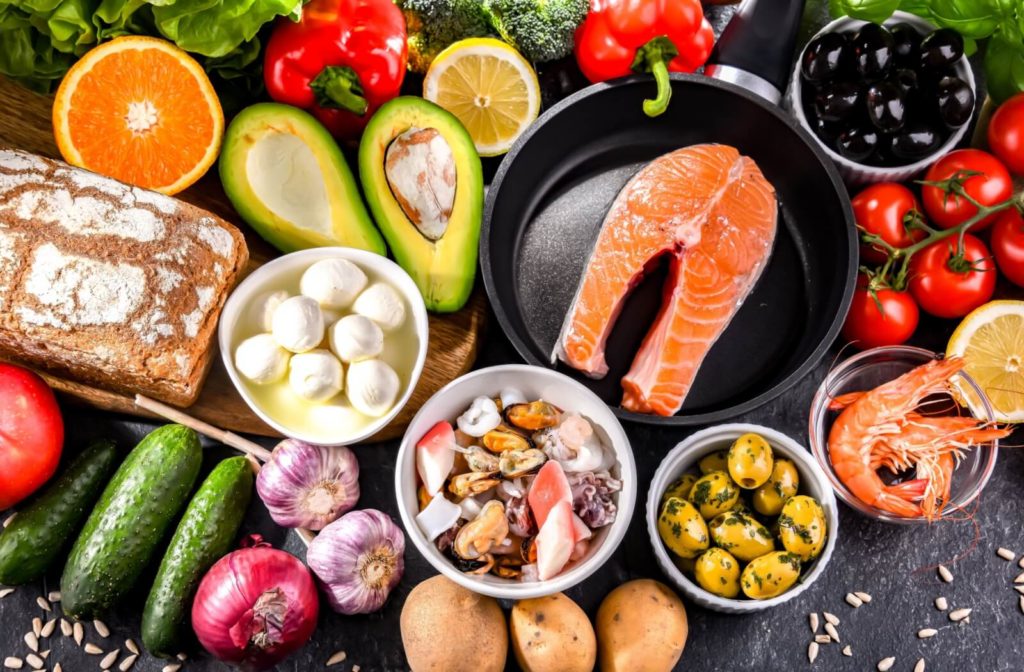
(542, 30)
(434, 24)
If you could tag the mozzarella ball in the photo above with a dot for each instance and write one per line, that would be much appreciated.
(355, 337)
(298, 324)
(372, 387)
(333, 283)
(382, 304)
(330, 316)
(264, 308)
(261, 360)
(315, 375)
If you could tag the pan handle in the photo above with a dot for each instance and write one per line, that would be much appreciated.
(755, 50)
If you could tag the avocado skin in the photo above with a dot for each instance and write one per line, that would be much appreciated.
(443, 270)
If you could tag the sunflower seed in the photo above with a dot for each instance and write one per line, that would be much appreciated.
(57, 668)
(1020, 563)
(946, 575)
(130, 645)
(173, 667)
(65, 627)
(48, 628)
(812, 652)
(37, 626)
(925, 633)
(919, 667)
(9, 519)
(831, 618)
(1019, 578)
(822, 639)
(1022, 604)
(54, 596)
(941, 604)
(43, 604)
(864, 597)
(847, 650)
(79, 632)
(853, 600)
(959, 614)
(109, 659)
(885, 664)
(127, 663)
(44, 654)
(355, 668)
(101, 628)
(182, 656)
(4, 592)
(92, 649)
(31, 641)
(34, 661)
(812, 619)
(832, 632)
(1006, 554)
(12, 663)
(1019, 589)
(340, 656)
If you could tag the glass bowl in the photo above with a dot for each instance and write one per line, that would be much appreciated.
(872, 368)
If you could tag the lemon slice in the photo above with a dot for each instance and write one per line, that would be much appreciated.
(991, 341)
(490, 87)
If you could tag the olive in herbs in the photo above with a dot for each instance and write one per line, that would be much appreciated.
(906, 45)
(856, 143)
(916, 141)
(835, 101)
(955, 100)
(887, 108)
(824, 58)
(941, 48)
(873, 48)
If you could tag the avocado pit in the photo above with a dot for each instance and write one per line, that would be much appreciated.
(421, 173)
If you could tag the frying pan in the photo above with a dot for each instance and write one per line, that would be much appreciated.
(550, 194)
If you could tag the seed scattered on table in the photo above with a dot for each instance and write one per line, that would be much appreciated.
(43, 604)
(919, 667)
(813, 618)
(173, 667)
(822, 639)
(9, 519)
(941, 604)
(1022, 604)
(831, 618)
(885, 664)
(925, 633)
(182, 656)
(853, 600)
(44, 654)
(58, 668)
(864, 597)
(1019, 578)
(12, 663)
(54, 596)
(37, 626)
(848, 651)
(127, 663)
(4, 592)
(130, 645)
(101, 628)
(945, 574)
(48, 628)
(832, 632)
(812, 652)
(92, 649)
(31, 641)
(355, 668)
(109, 659)
(65, 627)
(959, 614)
(79, 632)
(338, 657)
(1006, 554)
(34, 661)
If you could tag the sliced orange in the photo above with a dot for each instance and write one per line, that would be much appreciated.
(140, 110)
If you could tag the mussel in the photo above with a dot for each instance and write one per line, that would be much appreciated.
(501, 439)
(480, 535)
(479, 459)
(516, 463)
(532, 416)
(473, 483)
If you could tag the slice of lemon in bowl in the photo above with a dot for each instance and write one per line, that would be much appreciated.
(991, 341)
(490, 87)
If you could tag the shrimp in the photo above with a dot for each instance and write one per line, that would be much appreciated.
(881, 428)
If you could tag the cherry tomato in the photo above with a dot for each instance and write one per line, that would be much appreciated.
(1006, 134)
(944, 291)
(880, 209)
(993, 186)
(868, 327)
(1008, 245)
(31, 434)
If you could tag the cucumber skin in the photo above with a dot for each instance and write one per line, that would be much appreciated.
(130, 520)
(205, 534)
(34, 539)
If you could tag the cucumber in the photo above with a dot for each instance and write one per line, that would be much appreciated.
(34, 539)
(206, 532)
(130, 521)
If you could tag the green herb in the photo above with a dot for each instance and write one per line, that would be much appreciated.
(677, 530)
(702, 493)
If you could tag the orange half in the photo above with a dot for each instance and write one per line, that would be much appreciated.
(140, 110)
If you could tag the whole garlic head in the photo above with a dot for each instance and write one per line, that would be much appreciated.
(265, 307)
(333, 283)
(382, 304)
(372, 387)
(315, 375)
(298, 324)
(261, 360)
(355, 337)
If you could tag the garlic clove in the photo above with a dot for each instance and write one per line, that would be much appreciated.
(333, 283)
(438, 517)
(264, 307)
(555, 541)
(372, 387)
(315, 375)
(261, 360)
(298, 324)
(382, 304)
(356, 337)
(435, 456)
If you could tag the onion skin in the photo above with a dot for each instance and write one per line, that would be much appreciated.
(358, 560)
(255, 607)
(308, 486)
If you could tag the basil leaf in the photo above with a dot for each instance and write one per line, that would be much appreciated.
(1004, 62)
(975, 19)
(875, 11)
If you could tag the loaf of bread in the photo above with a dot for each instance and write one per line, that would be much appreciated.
(110, 285)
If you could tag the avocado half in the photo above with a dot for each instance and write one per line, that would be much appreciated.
(289, 181)
(444, 269)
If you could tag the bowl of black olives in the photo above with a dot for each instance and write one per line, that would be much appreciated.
(884, 101)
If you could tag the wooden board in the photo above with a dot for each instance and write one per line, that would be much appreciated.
(454, 339)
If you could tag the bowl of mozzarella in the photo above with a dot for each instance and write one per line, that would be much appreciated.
(325, 345)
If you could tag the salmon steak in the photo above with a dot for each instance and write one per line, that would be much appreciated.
(715, 214)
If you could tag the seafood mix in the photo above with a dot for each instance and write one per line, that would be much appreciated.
(516, 488)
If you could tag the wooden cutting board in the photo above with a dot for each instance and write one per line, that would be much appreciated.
(454, 339)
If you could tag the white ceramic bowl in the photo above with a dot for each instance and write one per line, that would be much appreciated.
(536, 383)
(267, 278)
(859, 173)
(685, 456)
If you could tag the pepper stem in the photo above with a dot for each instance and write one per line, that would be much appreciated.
(653, 58)
(339, 87)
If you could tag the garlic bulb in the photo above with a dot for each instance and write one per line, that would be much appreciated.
(372, 387)
(309, 486)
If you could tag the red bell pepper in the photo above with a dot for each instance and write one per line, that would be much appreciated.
(623, 36)
(342, 61)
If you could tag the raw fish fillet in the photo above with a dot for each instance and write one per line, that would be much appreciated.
(713, 211)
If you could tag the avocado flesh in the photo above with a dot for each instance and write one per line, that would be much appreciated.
(289, 181)
(444, 270)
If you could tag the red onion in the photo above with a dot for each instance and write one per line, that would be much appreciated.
(255, 606)
(358, 559)
(308, 486)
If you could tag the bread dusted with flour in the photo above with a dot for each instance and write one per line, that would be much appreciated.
(110, 285)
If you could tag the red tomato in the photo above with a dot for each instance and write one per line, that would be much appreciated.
(868, 327)
(947, 292)
(1006, 134)
(31, 434)
(993, 186)
(1008, 245)
(880, 209)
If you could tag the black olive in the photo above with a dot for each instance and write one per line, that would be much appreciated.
(956, 101)
(873, 48)
(906, 79)
(824, 57)
(857, 143)
(835, 101)
(825, 130)
(887, 108)
(916, 141)
(907, 45)
(942, 48)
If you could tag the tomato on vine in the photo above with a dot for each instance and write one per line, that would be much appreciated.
(879, 316)
(885, 209)
(948, 284)
(1006, 133)
(1008, 245)
(959, 181)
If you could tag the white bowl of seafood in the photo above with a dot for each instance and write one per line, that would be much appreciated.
(741, 518)
(515, 482)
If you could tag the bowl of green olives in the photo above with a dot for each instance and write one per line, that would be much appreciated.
(741, 518)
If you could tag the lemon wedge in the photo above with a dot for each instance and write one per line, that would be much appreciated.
(991, 341)
(490, 87)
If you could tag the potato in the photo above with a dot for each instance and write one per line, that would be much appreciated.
(552, 634)
(641, 627)
(433, 638)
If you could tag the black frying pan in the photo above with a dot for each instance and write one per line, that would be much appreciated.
(549, 197)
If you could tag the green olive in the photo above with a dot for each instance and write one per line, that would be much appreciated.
(716, 461)
(741, 535)
(780, 486)
(770, 575)
(718, 572)
(750, 461)
(682, 529)
(741, 507)
(802, 527)
(680, 487)
(714, 493)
